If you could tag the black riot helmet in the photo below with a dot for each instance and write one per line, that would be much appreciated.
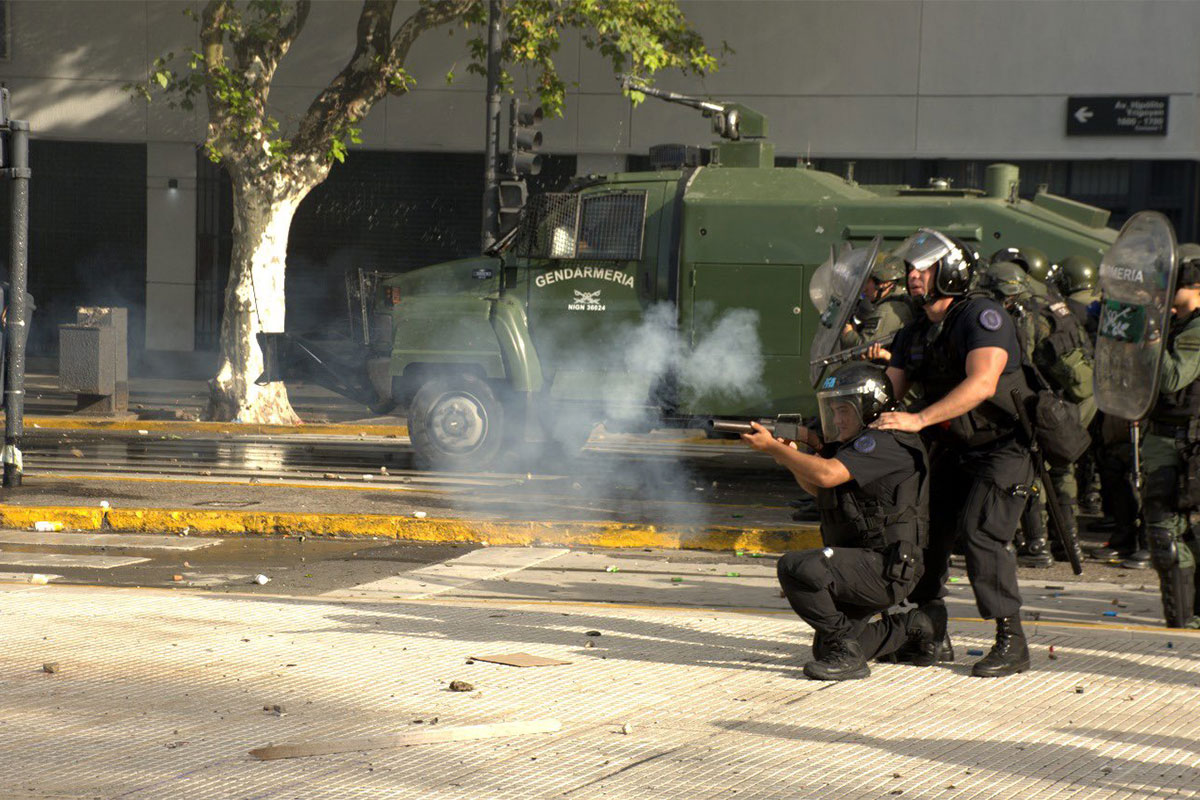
(1188, 273)
(955, 262)
(851, 398)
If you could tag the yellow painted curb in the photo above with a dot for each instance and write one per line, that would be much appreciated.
(578, 534)
(199, 426)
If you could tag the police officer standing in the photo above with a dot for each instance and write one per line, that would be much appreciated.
(1036, 265)
(1170, 451)
(1058, 348)
(872, 491)
(964, 352)
(1076, 281)
(885, 307)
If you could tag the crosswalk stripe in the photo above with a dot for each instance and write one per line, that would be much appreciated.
(62, 560)
(133, 541)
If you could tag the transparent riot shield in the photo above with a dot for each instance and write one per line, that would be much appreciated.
(1137, 280)
(834, 289)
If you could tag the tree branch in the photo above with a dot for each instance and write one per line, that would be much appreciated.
(375, 68)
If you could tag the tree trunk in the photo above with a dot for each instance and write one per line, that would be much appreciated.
(254, 301)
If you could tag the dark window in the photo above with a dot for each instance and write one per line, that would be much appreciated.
(610, 227)
(5, 28)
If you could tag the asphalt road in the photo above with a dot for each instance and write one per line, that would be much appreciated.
(657, 479)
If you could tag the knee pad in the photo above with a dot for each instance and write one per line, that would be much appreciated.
(1164, 550)
(808, 568)
(1178, 595)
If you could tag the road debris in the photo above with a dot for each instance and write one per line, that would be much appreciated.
(47, 527)
(461, 686)
(611, 568)
(593, 633)
(261, 580)
(626, 729)
(521, 660)
(50, 667)
(1080, 689)
(429, 736)
(420, 514)
(275, 708)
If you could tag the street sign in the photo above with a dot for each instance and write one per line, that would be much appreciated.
(1144, 115)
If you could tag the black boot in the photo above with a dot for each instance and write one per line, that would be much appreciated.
(819, 648)
(1034, 551)
(921, 653)
(1009, 655)
(843, 661)
(929, 650)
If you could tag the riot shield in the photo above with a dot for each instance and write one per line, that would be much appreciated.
(834, 289)
(1137, 284)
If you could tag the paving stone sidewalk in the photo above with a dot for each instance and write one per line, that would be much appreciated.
(161, 694)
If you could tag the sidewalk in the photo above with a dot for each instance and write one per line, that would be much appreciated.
(177, 405)
(162, 693)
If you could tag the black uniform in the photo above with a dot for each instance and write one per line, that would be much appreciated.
(874, 527)
(981, 473)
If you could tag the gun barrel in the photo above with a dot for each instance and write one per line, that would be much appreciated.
(842, 355)
(672, 97)
(732, 426)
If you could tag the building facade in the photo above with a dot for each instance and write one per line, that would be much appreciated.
(126, 210)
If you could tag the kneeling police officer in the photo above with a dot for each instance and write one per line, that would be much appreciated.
(872, 493)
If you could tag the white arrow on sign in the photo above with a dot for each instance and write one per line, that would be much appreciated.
(1083, 114)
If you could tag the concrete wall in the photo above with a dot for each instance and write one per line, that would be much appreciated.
(886, 78)
(872, 78)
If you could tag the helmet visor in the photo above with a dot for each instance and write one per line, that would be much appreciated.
(841, 414)
(924, 249)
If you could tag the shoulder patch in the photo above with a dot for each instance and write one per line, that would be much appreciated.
(865, 443)
(1187, 343)
(1060, 309)
(990, 320)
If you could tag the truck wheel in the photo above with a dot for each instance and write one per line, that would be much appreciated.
(456, 422)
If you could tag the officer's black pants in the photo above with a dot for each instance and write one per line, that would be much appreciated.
(971, 500)
(838, 594)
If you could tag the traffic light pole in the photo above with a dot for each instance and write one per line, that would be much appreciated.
(491, 151)
(17, 313)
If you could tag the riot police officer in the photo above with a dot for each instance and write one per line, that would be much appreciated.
(872, 491)
(1036, 265)
(1170, 451)
(885, 307)
(1076, 282)
(1057, 347)
(964, 352)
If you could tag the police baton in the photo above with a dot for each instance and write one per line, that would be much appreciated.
(1069, 542)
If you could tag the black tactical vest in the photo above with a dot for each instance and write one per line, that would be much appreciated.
(1178, 408)
(876, 516)
(935, 363)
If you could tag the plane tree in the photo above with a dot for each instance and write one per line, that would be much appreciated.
(273, 167)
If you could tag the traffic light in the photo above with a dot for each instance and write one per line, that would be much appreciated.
(513, 196)
(524, 139)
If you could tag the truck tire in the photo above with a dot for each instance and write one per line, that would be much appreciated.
(455, 422)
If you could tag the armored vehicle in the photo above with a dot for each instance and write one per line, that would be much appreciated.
(650, 299)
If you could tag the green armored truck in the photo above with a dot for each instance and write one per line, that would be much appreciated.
(650, 299)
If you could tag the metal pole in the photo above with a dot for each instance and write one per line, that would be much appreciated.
(15, 327)
(491, 168)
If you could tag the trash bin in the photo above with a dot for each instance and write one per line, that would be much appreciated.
(93, 360)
